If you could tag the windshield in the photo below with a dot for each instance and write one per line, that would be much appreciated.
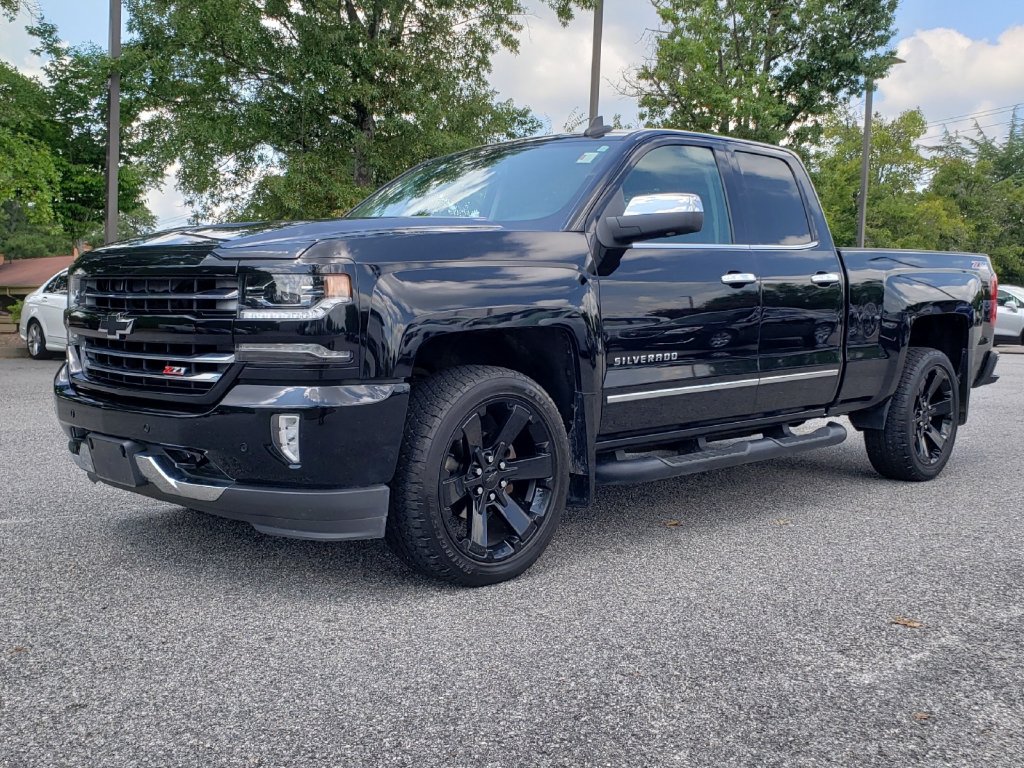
(524, 182)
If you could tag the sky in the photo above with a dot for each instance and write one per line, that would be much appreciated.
(962, 59)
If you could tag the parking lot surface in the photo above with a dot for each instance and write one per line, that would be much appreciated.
(803, 612)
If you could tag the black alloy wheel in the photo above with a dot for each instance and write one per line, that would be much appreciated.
(482, 475)
(921, 423)
(933, 415)
(497, 479)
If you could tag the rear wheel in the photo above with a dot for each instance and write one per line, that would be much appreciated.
(920, 428)
(36, 341)
(482, 476)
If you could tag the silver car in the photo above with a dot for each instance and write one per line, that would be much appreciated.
(42, 319)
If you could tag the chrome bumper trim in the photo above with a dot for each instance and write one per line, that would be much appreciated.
(153, 470)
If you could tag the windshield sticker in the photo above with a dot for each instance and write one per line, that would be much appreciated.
(587, 157)
(603, 148)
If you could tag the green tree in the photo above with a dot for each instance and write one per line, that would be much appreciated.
(278, 108)
(768, 70)
(53, 143)
(901, 213)
(983, 179)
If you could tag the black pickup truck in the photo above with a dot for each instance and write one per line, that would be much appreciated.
(495, 333)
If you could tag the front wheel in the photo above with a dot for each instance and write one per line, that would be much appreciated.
(920, 427)
(482, 476)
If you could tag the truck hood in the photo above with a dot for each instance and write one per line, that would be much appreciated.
(283, 240)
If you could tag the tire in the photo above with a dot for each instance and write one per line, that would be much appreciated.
(36, 343)
(450, 516)
(920, 427)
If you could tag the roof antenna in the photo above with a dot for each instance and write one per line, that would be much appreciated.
(597, 128)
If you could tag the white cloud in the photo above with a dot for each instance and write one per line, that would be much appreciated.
(948, 74)
(551, 73)
(16, 45)
(167, 204)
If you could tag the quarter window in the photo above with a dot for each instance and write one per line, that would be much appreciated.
(678, 168)
(775, 214)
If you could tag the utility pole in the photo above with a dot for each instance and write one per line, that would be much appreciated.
(865, 160)
(113, 124)
(595, 60)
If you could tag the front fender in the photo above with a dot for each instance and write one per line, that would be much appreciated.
(410, 306)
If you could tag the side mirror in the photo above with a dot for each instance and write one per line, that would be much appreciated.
(649, 216)
(1011, 305)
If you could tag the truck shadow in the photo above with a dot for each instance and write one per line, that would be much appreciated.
(623, 519)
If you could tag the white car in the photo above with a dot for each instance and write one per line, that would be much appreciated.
(42, 319)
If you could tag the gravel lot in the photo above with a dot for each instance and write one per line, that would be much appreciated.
(743, 617)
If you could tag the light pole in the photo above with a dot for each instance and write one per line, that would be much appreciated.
(865, 159)
(595, 60)
(113, 124)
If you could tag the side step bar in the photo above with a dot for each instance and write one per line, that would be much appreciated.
(780, 442)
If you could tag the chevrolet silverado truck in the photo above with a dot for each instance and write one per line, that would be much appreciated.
(495, 333)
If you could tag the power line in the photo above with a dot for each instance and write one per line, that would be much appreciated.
(978, 128)
(969, 115)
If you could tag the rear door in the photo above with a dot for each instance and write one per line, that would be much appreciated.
(680, 314)
(802, 284)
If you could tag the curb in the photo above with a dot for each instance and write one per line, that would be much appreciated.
(13, 353)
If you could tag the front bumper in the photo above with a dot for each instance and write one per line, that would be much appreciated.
(224, 461)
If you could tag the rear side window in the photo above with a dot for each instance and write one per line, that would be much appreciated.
(678, 168)
(775, 214)
(59, 284)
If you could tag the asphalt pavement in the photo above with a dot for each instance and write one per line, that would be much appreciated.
(802, 612)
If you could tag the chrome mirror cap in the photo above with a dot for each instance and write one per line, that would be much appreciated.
(664, 202)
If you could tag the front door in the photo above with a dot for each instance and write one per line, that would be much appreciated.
(681, 314)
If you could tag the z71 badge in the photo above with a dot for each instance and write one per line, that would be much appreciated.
(656, 357)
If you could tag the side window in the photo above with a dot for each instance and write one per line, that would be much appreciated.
(59, 284)
(682, 169)
(775, 214)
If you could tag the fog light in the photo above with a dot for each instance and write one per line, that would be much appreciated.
(285, 430)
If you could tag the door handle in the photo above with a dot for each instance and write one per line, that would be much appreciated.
(738, 278)
(825, 279)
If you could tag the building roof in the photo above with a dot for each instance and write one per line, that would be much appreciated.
(31, 273)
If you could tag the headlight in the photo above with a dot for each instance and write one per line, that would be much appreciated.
(292, 296)
(75, 280)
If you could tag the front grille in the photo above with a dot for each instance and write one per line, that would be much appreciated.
(195, 296)
(154, 367)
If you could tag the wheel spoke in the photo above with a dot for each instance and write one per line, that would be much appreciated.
(938, 377)
(473, 433)
(937, 438)
(943, 408)
(534, 468)
(922, 447)
(452, 490)
(514, 514)
(478, 526)
(517, 419)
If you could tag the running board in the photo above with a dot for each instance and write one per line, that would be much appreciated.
(779, 442)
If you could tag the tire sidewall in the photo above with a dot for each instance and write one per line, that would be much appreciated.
(502, 387)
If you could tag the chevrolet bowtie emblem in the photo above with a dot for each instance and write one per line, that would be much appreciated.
(116, 326)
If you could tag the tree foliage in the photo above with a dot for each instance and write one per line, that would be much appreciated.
(767, 70)
(53, 139)
(964, 195)
(296, 108)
